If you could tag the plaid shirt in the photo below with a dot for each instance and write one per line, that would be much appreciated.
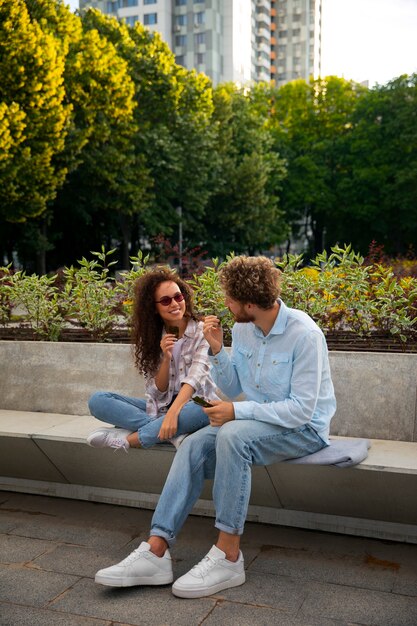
(194, 369)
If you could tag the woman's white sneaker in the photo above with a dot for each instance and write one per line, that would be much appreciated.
(213, 574)
(141, 567)
(109, 438)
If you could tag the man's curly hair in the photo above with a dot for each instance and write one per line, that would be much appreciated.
(251, 279)
(147, 324)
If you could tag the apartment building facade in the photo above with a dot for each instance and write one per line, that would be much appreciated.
(243, 41)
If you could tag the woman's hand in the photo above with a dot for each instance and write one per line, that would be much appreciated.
(169, 425)
(167, 345)
(213, 332)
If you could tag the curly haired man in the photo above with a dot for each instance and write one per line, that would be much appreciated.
(279, 361)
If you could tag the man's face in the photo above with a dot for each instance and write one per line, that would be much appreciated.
(239, 311)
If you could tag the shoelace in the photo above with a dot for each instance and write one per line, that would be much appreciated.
(117, 444)
(131, 557)
(204, 566)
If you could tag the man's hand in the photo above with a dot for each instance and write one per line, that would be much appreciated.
(213, 333)
(220, 413)
(169, 426)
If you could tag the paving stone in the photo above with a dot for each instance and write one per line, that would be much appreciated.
(232, 614)
(78, 560)
(301, 564)
(30, 586)
(365, 607)
(60, 531)
(14, 615)
(267, 591)
(142, 606)
(21, 549)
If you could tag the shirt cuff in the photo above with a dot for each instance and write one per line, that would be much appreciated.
(220, 359)
(243, 410)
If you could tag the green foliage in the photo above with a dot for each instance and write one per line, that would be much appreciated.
(90, 296)
(341, 293)
(338, 290)
(39, 297)
(33, 113)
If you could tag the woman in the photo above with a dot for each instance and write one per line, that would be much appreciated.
(171, 353)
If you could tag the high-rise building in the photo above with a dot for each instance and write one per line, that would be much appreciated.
(242, 41)
(296, 39)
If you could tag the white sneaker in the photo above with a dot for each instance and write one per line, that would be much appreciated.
(177, 441)
(211, 575)
(141, 567)
(109, 438)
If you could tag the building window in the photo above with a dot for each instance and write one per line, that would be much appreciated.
(131, 20)
(150, 18)
(180, 59)
(282, 34)
(200, 58)
(123, 4)
(111, 7)
(296, 32)
(149, 1)
(180, 3)
(199, 18)
(199, 39)
(181, 20)
(181, 40)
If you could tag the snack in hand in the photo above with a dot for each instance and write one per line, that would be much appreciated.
(173, 330)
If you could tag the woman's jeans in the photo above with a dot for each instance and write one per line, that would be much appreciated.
(130, 413)
(225, 454)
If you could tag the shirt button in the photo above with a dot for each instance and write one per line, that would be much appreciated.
(264, 342)
(259, 365)
(257, 386)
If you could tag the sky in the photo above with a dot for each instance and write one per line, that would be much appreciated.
(373, 40)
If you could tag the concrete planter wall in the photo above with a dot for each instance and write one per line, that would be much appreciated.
(376, 392)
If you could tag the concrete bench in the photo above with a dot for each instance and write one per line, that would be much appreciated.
(44, 388)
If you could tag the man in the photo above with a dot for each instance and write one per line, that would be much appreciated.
(280, 362)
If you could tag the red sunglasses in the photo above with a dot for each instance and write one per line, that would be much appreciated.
(166, 300)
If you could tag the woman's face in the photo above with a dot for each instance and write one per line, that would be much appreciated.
(172, 312)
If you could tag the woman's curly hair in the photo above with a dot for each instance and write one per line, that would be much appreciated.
(147, 324)
(251, 279)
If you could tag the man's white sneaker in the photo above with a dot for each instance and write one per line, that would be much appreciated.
(213, 574)
(141, 567)
(109, 438)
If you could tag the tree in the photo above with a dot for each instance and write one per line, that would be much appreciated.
(243, 212)
(309, 122)
(33, 114)
(382, 165)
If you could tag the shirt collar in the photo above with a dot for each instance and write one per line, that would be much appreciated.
(280, 323)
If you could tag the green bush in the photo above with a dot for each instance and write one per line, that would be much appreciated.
(338, 290)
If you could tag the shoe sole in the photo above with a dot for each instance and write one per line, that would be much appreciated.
(108, 581)
(208, 591)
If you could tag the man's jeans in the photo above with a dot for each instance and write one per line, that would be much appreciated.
(225, 454)
(130, 413)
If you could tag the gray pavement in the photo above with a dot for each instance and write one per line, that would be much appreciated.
(50, 549)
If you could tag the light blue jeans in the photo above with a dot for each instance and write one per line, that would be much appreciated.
(225, 454)
(130, 413)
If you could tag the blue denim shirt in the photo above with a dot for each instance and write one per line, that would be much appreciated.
(284, 375)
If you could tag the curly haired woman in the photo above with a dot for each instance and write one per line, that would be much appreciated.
(175, 368)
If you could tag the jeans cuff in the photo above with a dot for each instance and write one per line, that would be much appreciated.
(158, 532)
(228, 529)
